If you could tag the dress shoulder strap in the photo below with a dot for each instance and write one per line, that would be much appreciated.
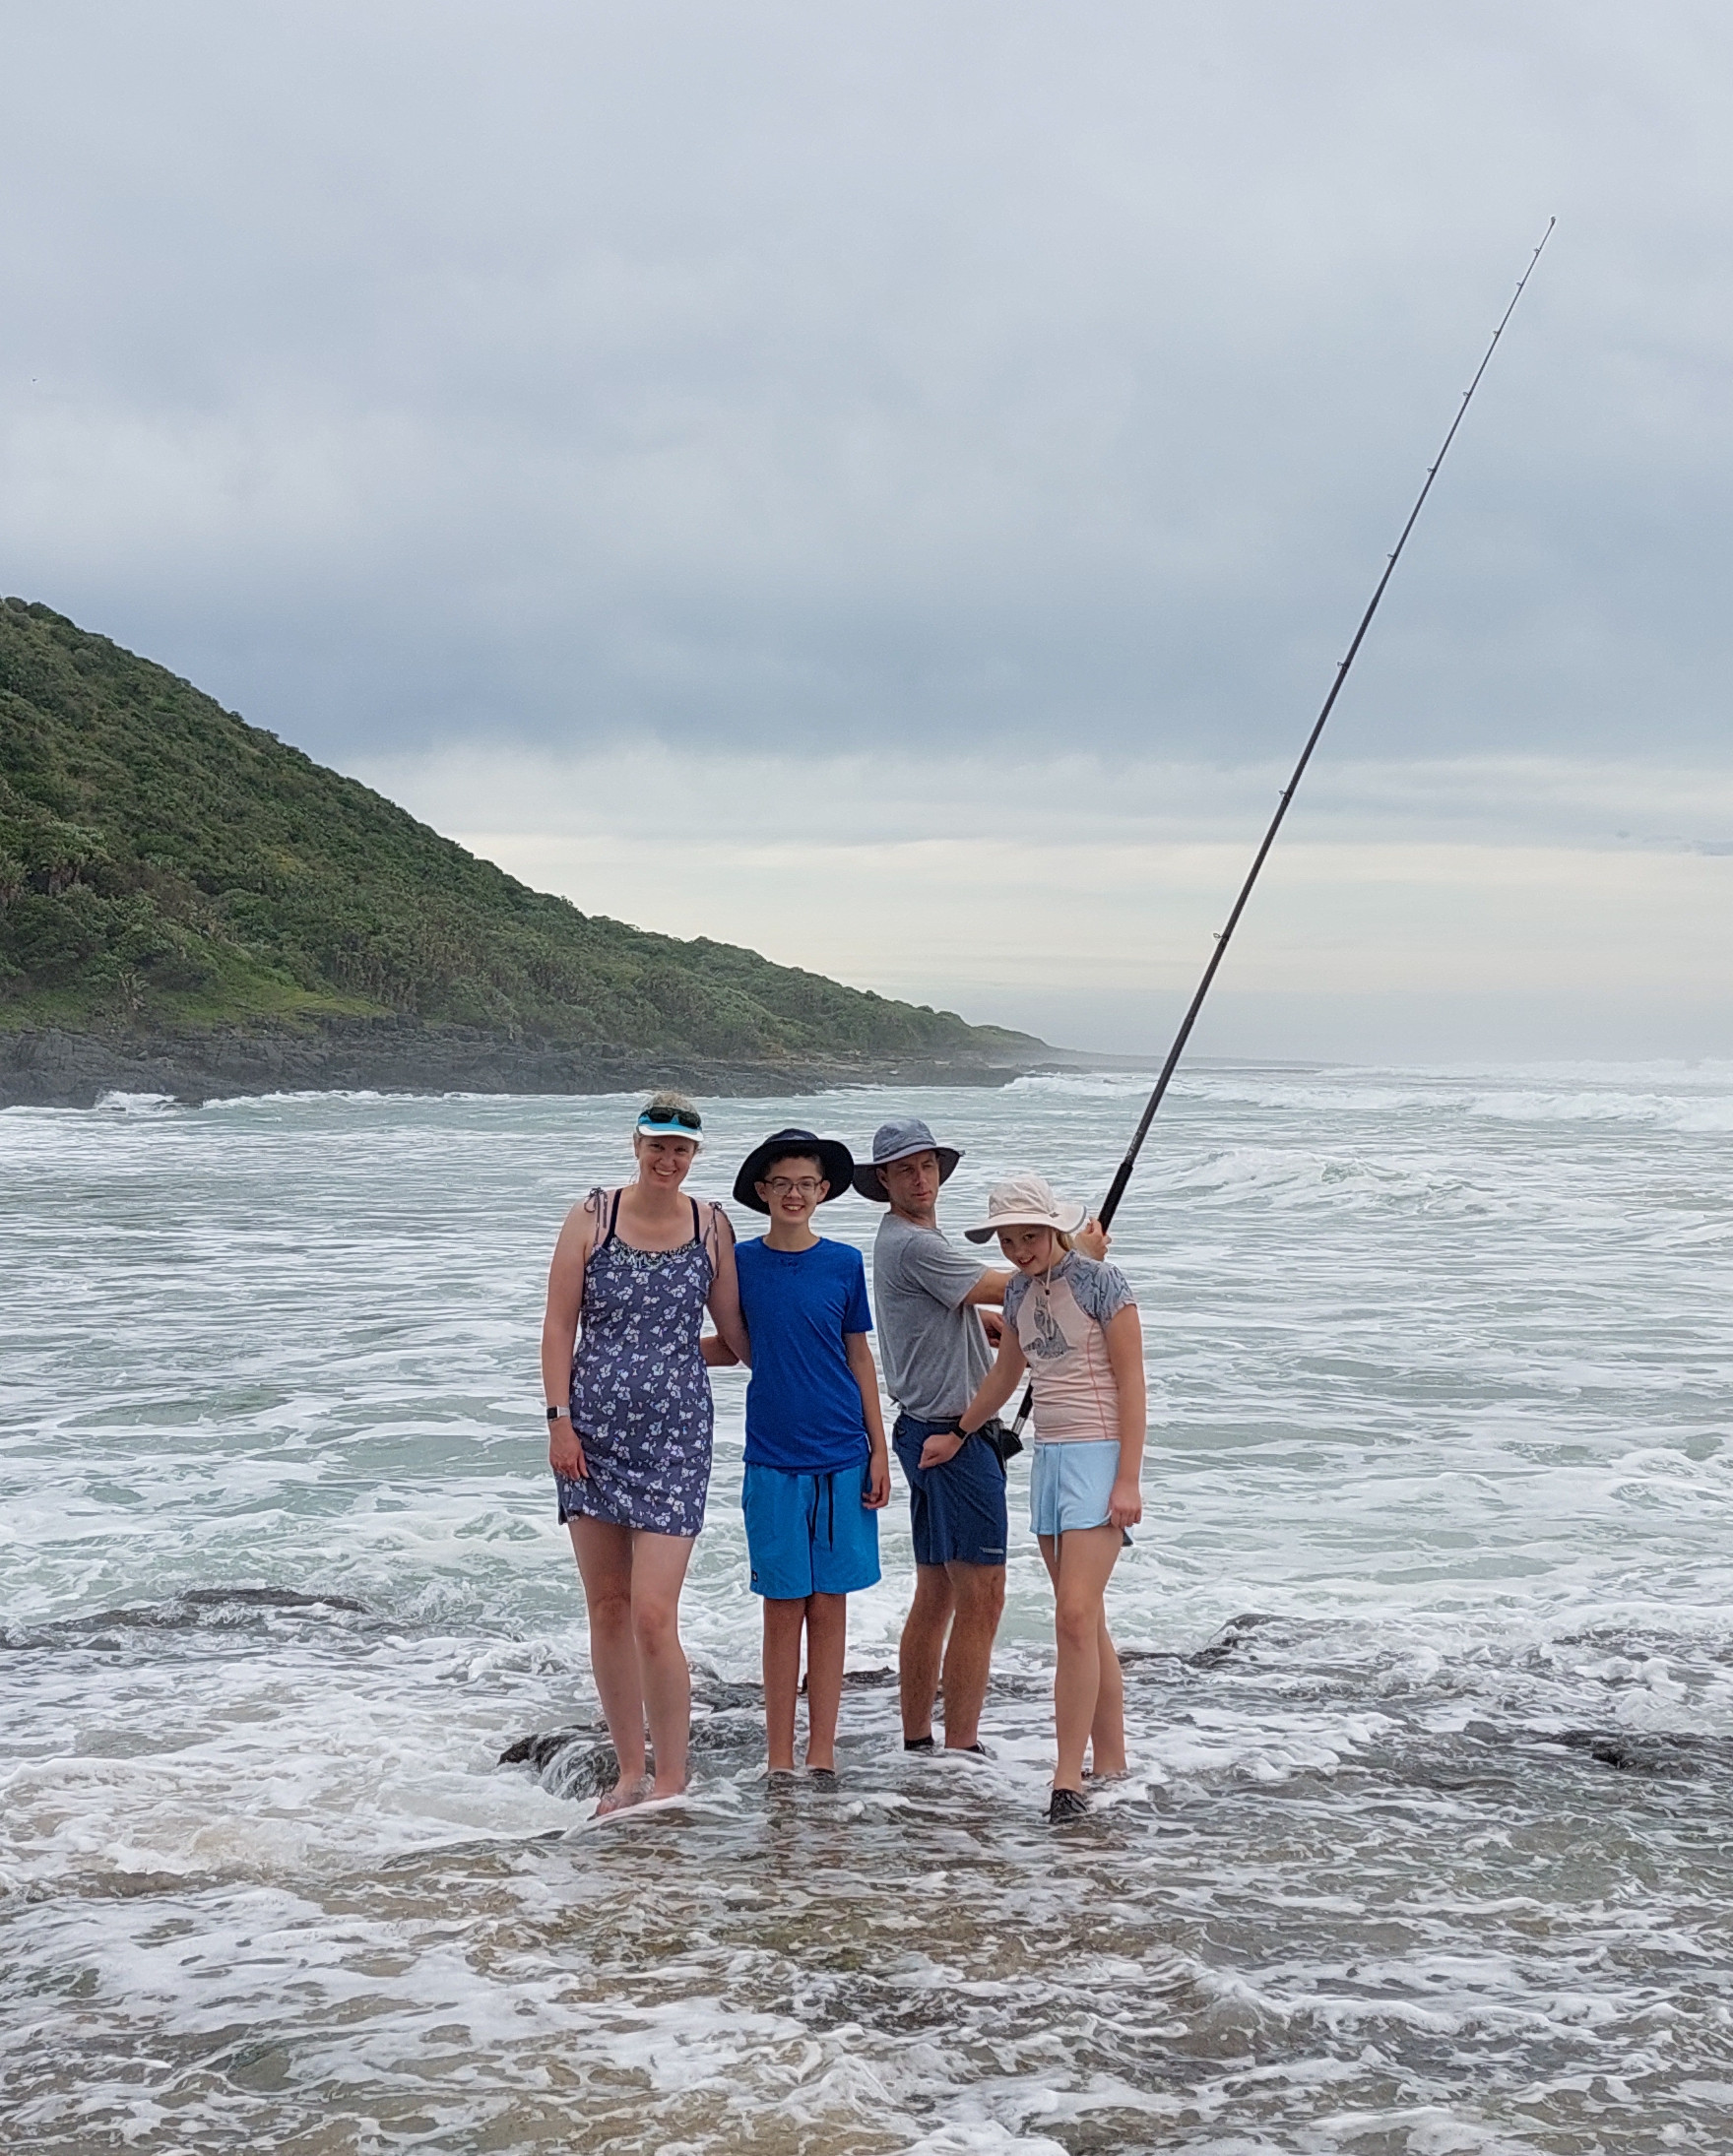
(715, 1227)
(605, 1201)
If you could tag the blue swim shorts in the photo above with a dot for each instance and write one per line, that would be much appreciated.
(1071, 1484)
(809, 1534)
(957, 1511)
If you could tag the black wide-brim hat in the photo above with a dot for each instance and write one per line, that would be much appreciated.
(836, 1164)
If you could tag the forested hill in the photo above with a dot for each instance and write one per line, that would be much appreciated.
(167, 869)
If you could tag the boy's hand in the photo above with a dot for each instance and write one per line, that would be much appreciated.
(877, 1492)
(1125, 1508)
(992, 1324)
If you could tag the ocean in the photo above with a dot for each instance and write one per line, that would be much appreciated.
(1428, 1846)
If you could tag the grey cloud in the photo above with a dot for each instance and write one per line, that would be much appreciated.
(912, 797)
(776, 377)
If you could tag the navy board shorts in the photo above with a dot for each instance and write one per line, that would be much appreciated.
(809, 1534)
(957, 1511)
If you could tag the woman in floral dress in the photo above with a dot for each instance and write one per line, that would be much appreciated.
(629, 1425)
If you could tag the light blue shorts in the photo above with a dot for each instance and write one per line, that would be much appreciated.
(809, 1534)
(1070, 1484)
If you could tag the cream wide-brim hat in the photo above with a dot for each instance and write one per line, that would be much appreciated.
(1028, 1201)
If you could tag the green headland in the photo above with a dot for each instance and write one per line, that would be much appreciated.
(190, 905)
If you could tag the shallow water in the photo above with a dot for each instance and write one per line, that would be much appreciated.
(1430, 1630)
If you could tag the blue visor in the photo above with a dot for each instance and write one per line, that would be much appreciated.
(671, 1128)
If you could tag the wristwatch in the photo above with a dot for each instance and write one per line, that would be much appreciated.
(555, 1414)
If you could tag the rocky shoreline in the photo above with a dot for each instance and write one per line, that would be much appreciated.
(50, 1068)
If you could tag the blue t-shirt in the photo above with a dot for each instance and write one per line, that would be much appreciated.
(803, 1410)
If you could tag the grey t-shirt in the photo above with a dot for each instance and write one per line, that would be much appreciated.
(934, 1350)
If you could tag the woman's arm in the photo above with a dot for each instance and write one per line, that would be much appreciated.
(560, 1332)
(730, 1343)
(996, 1389)
(1122, 1335)
(859, 1350)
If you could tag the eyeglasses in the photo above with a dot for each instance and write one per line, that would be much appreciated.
(687, 1118)
(805, 1187)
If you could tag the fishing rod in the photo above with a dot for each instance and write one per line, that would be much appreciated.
(1123, 1174)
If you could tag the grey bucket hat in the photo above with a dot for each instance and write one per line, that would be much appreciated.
(897, 1142)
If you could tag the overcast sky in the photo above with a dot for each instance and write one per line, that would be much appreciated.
(890, 484)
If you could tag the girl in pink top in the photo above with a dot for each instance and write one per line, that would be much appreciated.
(1071, 1323)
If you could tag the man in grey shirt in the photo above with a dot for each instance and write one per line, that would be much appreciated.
(927, 1297)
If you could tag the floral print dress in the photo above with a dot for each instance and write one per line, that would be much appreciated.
(640, 1396)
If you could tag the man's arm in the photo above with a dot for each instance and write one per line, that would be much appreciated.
(990, 1286)
(1092, 1239)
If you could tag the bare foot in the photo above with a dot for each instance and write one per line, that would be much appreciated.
(621, 1794)
(672, 1789)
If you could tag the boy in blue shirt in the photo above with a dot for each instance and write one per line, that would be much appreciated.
(817, 1468)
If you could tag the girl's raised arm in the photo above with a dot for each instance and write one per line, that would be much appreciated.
(997, 1386)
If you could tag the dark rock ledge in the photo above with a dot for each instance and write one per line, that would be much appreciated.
(55, 1069)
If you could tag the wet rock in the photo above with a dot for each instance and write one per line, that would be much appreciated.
(540, 1748)
(265, 1598)
(1155, 1661)
(1233, 1634)
(719, 1697)
(1669, 1754)
(196, 1606)
(566, 1762)
(581, 1762)
(1646, 1751)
